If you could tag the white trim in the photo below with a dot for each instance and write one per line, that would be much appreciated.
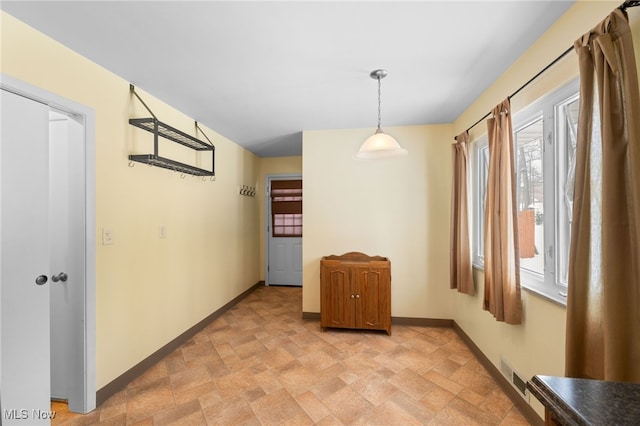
(52, 100)
(477, 236)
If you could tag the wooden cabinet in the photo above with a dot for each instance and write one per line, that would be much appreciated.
(355, 292)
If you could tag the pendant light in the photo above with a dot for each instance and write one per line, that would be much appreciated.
(380, 144)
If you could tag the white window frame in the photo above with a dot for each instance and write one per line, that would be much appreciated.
(479, 185)
(548, 107)
(562, 228)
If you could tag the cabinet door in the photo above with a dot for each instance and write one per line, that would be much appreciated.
(373, 307)
(336, 302)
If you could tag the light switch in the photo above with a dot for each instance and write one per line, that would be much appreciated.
(107, 236)
(163, 231)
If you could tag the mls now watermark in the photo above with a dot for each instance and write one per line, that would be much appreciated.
(25, 414)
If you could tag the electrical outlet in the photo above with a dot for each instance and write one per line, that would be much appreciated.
(107, 236)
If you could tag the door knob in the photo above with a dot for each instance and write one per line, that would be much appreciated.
(41, 280)
(60, 277)
(357, 296)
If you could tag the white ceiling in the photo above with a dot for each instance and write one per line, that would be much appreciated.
(260, 73)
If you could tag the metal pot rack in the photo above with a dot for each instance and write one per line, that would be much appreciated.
(160, 129)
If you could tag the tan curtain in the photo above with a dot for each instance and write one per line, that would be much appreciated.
(460, 256)
(603, 301)
(501, 261)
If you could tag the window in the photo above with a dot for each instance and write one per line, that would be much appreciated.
(528, 140)
(545, 142)
(286, 208)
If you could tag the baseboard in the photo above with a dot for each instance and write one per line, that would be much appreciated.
(127, 377)
(311, 316)
(420, 322)
(527, 411)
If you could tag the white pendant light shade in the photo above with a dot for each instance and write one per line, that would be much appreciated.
(379, 145)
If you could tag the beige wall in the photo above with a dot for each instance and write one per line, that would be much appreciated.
(272, 166)
(148, 290)
(537, 345)
(396, 207)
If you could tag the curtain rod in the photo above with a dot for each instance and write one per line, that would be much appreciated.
(623, 7)
(562, 55)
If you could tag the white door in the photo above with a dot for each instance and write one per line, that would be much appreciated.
(61, 290)
(284, 239)
(285, 261)
(24, 260)
(66, 207)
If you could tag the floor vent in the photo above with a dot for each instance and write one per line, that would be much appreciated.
(514, 378)
(506, 369)
(520, 384)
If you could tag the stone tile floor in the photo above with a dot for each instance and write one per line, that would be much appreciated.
(261, 364)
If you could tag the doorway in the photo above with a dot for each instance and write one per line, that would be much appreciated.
(59, 307)
(284, 229)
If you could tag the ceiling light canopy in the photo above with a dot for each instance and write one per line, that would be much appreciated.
(380, 144)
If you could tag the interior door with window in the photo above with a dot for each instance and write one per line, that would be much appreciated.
(284, 232)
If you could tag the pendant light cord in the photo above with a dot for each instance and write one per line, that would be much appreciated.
(379, 106)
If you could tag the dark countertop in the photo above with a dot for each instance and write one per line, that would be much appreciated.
(588, 402)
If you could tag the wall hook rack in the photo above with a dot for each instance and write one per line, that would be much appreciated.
(160, 129)
(247, 190)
